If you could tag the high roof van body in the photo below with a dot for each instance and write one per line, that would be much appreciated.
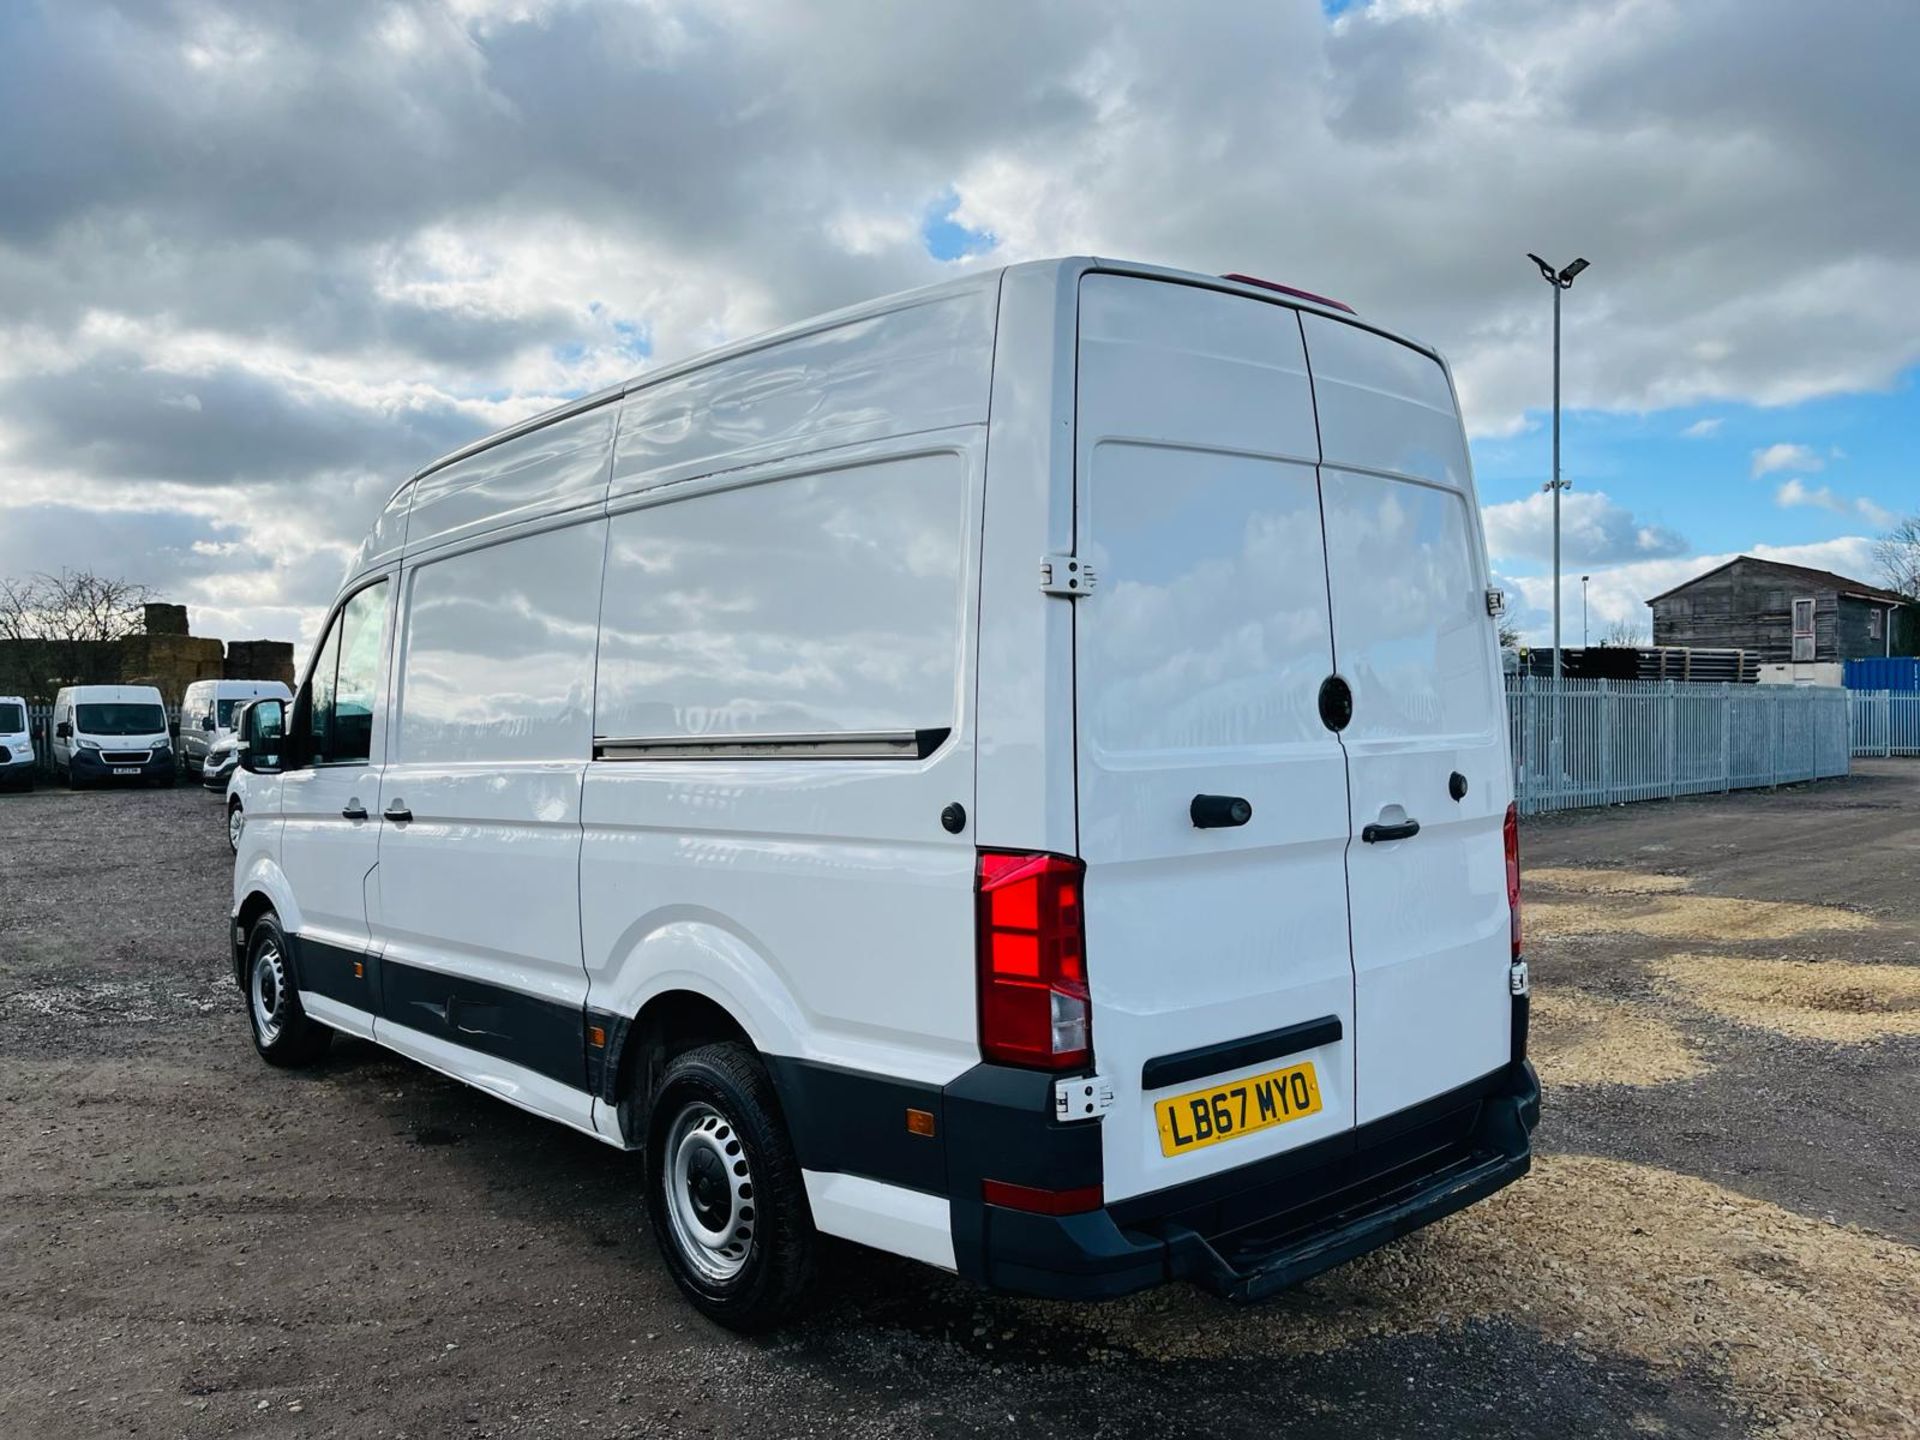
(1014, 775)
(107, 734)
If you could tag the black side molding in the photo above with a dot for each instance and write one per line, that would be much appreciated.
(1238, 1054)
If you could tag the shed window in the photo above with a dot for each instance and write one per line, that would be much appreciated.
(1803, 617)
(1876, 623)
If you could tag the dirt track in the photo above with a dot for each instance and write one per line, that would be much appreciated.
(1720, 1237)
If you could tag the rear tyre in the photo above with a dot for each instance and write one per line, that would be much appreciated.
(725, 1196)
(282, 1031)
(236, 822)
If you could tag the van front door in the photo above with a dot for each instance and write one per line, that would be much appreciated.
(330, 807)
(1426, 748)
(1217, 952)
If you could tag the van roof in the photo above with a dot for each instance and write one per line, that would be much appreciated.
(78, 693)
(1071, 266)
(245, 688)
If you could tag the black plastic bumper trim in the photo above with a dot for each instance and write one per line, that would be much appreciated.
(1205, 1060)
(1347, 1195)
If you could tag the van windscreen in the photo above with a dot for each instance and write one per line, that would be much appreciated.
(12, 718)
(130, 717)
(226, 713)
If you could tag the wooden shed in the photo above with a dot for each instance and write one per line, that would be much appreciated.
(1784, 614)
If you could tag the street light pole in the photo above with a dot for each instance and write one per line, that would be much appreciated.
(1583, 610)
(1560, 280)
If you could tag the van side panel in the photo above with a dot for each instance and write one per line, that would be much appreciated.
(921, 367)
(558, 467)
(1407, 567)
(741, 627)
(477, 916)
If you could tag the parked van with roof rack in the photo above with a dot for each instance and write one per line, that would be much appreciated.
(16, 744)
(108, 733)
(1014, 775)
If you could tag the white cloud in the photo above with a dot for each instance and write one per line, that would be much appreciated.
(1797, 492)
(1594, 530)
(1875, 515)
(1702, 429)
(1783, 456)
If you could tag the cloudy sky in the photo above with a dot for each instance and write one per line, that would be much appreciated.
(259, 260)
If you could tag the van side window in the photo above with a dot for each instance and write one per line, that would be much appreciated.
(317, 700)
(816, 605)
(333, 713)
(497, 659)
(362, 629)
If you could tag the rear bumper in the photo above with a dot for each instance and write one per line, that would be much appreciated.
(1251, 1232)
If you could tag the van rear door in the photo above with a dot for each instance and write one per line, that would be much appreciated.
(1426, 747)
(1199, 660)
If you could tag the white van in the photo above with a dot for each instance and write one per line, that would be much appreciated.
(206, 714)
(111, 732)
(16, 744)
(1013, 774)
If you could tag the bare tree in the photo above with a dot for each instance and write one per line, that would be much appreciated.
(71, 625)
(1897, 553)
(1509, 635)
(1626, 631)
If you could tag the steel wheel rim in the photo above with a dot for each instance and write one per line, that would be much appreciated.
(709, 1192)
(236, 818)
(268, 992)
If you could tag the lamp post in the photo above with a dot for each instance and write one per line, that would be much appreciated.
(1583, 610)
(1559, 280)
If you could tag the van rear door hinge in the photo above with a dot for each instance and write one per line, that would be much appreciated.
(1066, 575)
(1085, 1097)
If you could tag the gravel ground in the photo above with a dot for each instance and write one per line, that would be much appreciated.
(1719, 1237)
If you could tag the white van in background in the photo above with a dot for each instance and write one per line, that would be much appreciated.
(105, 733)
(1013, 774)
(16, 744)
(206, 714)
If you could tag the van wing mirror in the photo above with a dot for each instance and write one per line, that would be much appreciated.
(262, 736)
(206, 722)
(63, 731)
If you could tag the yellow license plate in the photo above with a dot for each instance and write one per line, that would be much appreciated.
(1225, 1112)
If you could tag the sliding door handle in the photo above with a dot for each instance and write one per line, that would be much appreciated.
(398, 813)
(353, 810)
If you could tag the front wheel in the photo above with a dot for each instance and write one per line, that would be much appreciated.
(725, 1196)
(282, 1031)
(236, 822)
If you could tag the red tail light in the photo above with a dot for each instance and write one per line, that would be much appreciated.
(1294, 291)
(1034, 1009)
(1510, 833)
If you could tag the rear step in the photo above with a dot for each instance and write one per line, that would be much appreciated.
(1444, 1165)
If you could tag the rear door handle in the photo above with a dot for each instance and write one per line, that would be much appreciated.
(400, 814)
(353, 810)
(1405, 830)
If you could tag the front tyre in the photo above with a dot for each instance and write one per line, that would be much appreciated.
(724, 1191)
(282, 1031)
